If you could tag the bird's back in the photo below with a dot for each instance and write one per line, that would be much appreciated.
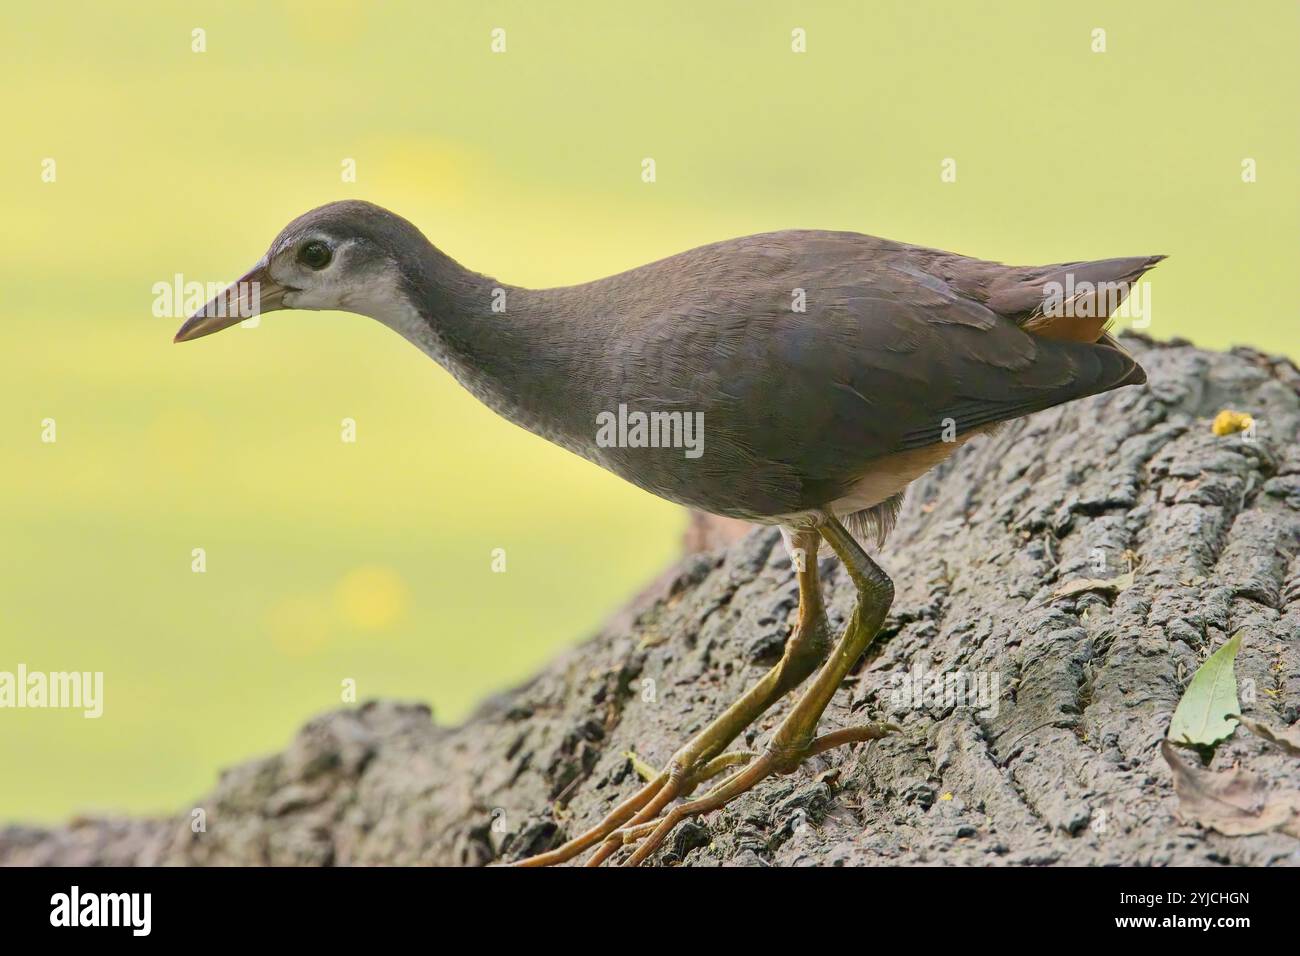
(810, 355)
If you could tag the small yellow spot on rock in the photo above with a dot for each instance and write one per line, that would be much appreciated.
(946, 796)
(1228, 422)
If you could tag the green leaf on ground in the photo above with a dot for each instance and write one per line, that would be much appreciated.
(1204, 717)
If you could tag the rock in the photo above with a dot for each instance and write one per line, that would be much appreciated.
(1061, 765)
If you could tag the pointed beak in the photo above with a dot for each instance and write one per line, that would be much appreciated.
(252, 294)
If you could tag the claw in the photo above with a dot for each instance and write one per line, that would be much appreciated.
(851, 735)
(671, 790)
(616, 818)
(630, 835)
(719, 764)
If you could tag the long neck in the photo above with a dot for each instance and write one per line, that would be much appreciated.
(510, 347)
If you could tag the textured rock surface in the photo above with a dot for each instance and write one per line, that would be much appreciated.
(1064, 768)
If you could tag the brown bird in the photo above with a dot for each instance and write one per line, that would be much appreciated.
(798, 378)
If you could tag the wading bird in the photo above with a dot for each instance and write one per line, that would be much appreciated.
(830, 370)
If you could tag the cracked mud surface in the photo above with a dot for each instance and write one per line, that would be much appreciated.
(1065, 769)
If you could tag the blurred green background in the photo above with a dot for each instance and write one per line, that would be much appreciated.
(372, 561)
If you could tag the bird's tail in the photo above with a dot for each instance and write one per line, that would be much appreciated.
(1074, 301)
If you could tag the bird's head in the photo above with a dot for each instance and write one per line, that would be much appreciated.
(347, 255)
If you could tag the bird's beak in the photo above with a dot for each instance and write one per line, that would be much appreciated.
(252, 294)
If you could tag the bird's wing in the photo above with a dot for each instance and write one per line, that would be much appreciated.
(886, 357)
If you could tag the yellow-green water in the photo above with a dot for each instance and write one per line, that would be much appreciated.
(371, 561)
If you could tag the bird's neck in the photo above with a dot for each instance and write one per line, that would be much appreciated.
(518, 356)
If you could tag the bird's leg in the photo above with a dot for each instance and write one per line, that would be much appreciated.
(703, 756)
(795, 740)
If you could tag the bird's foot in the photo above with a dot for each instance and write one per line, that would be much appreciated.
(796, 738)
(652, 832)
(679, 779)
(638, 817)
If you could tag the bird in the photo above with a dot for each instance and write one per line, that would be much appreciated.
(800, 378)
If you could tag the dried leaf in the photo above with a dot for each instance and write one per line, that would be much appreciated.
(1234, 803)
(1288, 740)
(1204, 716)
(1078, 586)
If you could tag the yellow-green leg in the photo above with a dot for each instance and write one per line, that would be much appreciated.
(703, 756)
(795, 739)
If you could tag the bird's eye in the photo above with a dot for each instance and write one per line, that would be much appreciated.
(314, 254)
